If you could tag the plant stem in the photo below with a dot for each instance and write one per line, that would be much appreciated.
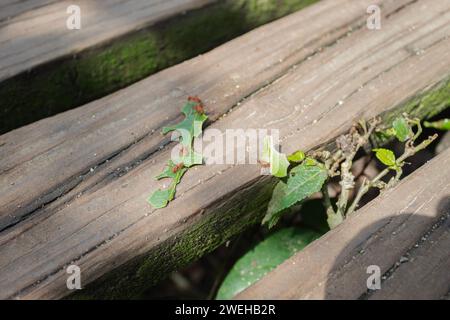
(347, 179)
(409, 151)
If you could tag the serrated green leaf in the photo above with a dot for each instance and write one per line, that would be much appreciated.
(303, 181)
(276, 205)
(402, 129)
(296, 157)
(386, 156)
(263, 258)
(278, 161)
(443, 124)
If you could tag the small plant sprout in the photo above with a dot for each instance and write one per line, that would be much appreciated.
(310, 172)
(189, 129)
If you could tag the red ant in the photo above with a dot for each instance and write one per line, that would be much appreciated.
(194, 99)
(199, 106)
(199, 109)
(178, 167)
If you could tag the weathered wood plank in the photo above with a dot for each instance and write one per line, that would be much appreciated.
(76, 141)
(36, 33)
(12, 8)
(335, 266)
(426, 273)
(78, 79)
(111, 225)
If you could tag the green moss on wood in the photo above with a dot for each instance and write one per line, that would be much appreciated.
(226, 219)
(75, 81)
(216, 225)
(424, 105)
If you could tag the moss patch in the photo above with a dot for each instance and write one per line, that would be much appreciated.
(424, 105)
(226, 219)
(74, 81)
(217, 224)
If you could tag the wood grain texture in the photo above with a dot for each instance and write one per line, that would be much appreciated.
(130, 120)
(426, 272)
(407, 223)
(102, 220)
(34, 32)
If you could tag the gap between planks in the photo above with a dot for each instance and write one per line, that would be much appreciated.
(143, 235)
(409, 222)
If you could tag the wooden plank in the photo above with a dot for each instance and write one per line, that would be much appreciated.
(130, 120)
(12, 8)
(34, 32)
(382, 233)
(110, 224)
(78, 79)
(426, 273)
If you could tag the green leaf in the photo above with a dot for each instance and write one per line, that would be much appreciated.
(303, 181)
(160, 198)
(191, 126)
(443, 124)
(191, 159)
(276, 205)
(386, 156)
(263, 258)
(278, 161)
(402, 129)
(296, 157)
(167, 173)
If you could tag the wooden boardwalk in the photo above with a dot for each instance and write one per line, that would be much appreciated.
(34, 32)
(73, 187)
(405, 232)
